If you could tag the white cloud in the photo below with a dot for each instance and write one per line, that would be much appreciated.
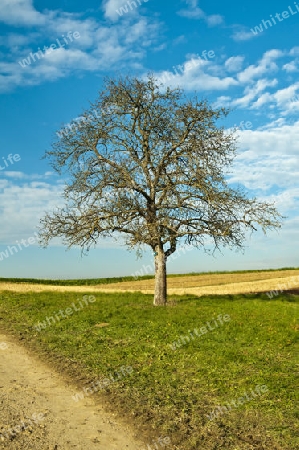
(195, 12)
(286, 99)
(61, 23)
(294, 51)
(70, 58)
(180, 40)
(24, 176)
(260, 82)
(119, 9)
(242, 35)
(195, 76)
(16, 41)
(20, 12)
(99, 47)
(263, 172)
(287, 200)
(282, 140)
(283, 96)
(224, 101)
(214, 19)
(269, 158)
(110, 8)
(22, 203)
(266, 65)
(291, 67)
(252, 91)
(234, 63)
(216, 74)
(262, 100)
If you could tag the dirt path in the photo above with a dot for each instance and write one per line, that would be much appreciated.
(37, 411)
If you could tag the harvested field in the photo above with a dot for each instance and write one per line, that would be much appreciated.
(225, 283)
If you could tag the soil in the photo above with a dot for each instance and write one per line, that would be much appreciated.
(37, 411)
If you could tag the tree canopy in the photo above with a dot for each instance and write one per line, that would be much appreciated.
(150, 163)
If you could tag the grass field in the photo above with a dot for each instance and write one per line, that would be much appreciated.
(179, 376)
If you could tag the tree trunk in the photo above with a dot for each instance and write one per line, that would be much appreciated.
(160, 278)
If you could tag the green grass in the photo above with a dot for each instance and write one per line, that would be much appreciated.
(96, 281)
(169, 393)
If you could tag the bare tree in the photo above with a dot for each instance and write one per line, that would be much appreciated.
(151, 165)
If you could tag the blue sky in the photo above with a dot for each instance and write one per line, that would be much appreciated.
(54, 56)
